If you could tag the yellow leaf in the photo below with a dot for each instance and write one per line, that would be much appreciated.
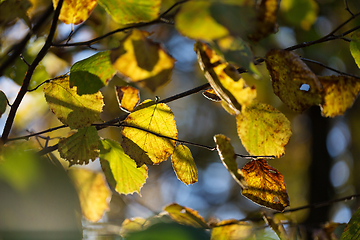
(185, 216)
(133, 225)
(184, 165)
(142, 60)
(80, 147)
(224, 79)
(75, 11)
(93, 192)
(266, 185)
(289, 74)
(120, 170)
(228, 158)
(70, 108)
(128, 97)
(263, 130)
(301, 13)
(146, 147)
(232, 229)
(340, 93)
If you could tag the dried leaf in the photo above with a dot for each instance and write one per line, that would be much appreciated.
(143, 146)
(185, 216)
(211, 95)
(80, 147)
(232, 230)
(93, 192)
(142, 60)
(340, 93)
(288, 74)
(263, 130)
(228, 158)
(184, 165)
(128, 97)
(266, 185)
(75, 11)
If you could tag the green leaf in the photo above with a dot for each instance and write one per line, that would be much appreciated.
(94, 194)
(355, 47)
(81, 146)
(70, 108)
(120, 170)
(228, 158)
(301, 13)
(142, 60)
(185, 216)
(352, 230)
(75, 11)
(131, 11)
(263, 130)
(91, 74)
(232, 229)
(3, 102)
(146, 147)
(184, 165)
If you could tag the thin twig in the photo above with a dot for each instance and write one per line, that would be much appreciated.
(38, 133)
(347, 7)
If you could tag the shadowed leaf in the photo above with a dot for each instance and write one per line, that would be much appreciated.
(211, 95)
(3, 102)
(80, 147)
(301, 13)
(232, 229)
(75, 11)
(93, 192)
(263, 130)
(128, 97)
(184, 165)
(352, 230)
(288, 74)
(266, 185)
(185, 216)
(120, 170)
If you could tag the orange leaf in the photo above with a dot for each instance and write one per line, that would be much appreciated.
(128, 97)
(266, 185)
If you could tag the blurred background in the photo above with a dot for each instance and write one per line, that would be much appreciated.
(321, 160)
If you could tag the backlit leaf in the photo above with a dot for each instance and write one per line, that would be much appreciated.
(75, 11)
(301, 13)
(142, 60)
(232, 229)
(340, 93)
(266, 19)
(133, 225)
(81, 146)
(355, 47)
(70, 108)
(91, 74)
(289, 74)
(120, 170)
(211, 95)
(263, 130)
(352, 230)
(128, 97)
(184, 165)
(93, 192)
(146, 147)
(3, 102)
(224, 79)
(228, 158)
(266, 185)
(131, 11)
(185, 216)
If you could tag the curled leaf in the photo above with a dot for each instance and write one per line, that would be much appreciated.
(232, 229)
(128, 97)
(211, 95)
(185, 216)
(184, 165)
(3, 102)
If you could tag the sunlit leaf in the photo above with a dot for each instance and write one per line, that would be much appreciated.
(91, 74)
(352, 230)
(263, 130)
(184, 165)
(289, 74)
(81, 146)
(93, 192)
(120, 170)
(211, 95)
(128, 97)
(75, 11)
(266, 185)
(70, 108)
(340, 93)
(224, 79)
(185, 216)
(131, 11)
(266, 19)
(146, 147)
(3, 102)
(228, 158)
(355, 47)
(301, 13)
(232, 229)
(10, 10)
(133, 225)
(142, 60)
